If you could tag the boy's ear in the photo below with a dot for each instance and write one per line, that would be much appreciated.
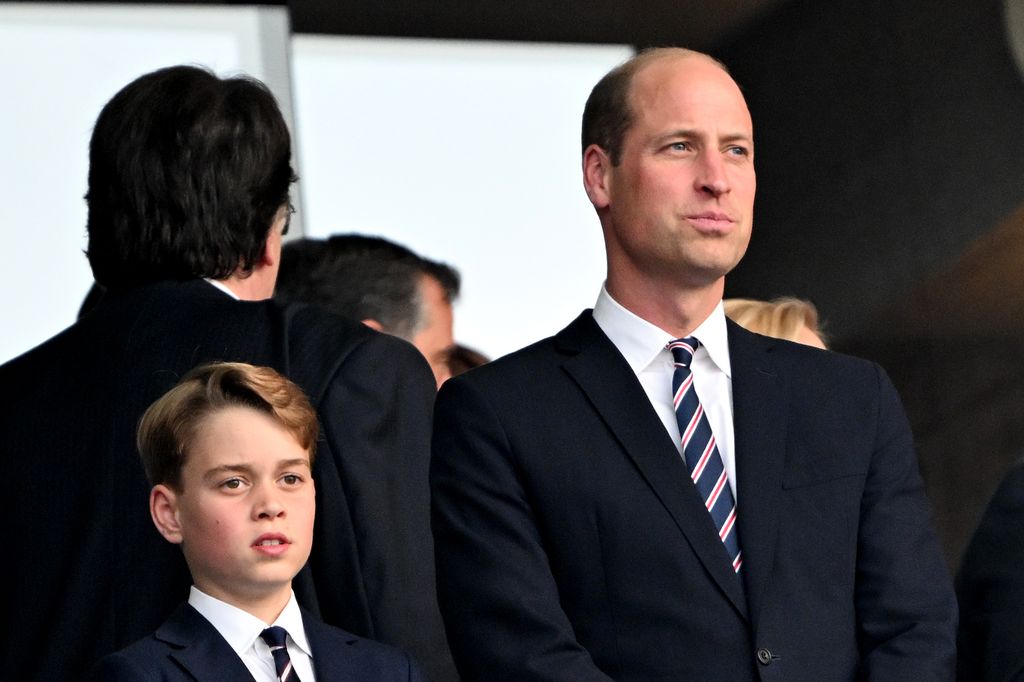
(163, 507)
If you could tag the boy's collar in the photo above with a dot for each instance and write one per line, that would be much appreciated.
(240, 628)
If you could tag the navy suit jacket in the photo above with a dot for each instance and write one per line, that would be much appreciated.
(187, 648)
(92, 574)
(572, 545)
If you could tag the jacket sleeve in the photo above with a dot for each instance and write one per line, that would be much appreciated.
(376, 418)
(906, 609)
(497, 593)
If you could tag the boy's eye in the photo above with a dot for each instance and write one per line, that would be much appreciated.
(291, 479)
(232, 484)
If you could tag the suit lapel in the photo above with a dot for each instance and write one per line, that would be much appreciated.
(611, 387)
(760, 402)
(200, 649)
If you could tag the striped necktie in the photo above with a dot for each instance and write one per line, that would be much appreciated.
(275, 638)
(700, 451)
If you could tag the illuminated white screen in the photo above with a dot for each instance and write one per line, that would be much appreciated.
(466, 152)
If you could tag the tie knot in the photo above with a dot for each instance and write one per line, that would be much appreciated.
(683, 350)
(274, 636)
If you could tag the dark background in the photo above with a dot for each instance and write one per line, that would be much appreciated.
(891, 180)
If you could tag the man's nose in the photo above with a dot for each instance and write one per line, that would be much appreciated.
(711, 176)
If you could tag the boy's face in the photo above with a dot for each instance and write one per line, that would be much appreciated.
(244, 515)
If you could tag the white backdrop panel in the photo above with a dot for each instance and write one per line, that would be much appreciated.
(467, 152)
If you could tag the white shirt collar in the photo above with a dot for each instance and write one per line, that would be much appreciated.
(240, 628)
(641, 342)
(223, 287)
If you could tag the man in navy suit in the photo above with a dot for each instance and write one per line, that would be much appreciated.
(189, 180)
(230, 452)
(574, 538)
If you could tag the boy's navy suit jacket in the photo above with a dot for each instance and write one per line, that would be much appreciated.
(188, 648)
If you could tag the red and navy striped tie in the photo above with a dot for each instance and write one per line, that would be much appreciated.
(700, 451)
(276, 638)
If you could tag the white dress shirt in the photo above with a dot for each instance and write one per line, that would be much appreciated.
(642, 344)
(242, 632)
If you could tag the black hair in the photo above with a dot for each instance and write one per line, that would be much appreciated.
(187, 172)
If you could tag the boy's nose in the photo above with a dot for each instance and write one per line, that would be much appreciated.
(268, 505)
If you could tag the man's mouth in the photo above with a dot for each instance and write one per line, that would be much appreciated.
(710, 221)
(711, 215)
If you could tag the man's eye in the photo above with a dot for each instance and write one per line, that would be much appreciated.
(291, 479)
(739, 151)
(679, 146)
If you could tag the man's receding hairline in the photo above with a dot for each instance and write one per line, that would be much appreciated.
(626, 73)
(659, 55)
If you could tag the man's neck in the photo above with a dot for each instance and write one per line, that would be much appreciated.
(253, 287)
(677, 310)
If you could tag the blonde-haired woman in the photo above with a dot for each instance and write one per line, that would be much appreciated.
(788, 318)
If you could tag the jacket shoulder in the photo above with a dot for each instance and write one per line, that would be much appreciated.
(146, 659)
(340, 653)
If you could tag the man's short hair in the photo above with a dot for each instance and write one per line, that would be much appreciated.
(362, 278)
(171, 424)
(186, 174)
(608, 113)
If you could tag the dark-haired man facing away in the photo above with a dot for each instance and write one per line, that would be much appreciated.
(189, 180)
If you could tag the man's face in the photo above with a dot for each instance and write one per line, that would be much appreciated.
(435, 340)
(245, 511)
(679, 206)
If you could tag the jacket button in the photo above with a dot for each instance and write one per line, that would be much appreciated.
(764, 656)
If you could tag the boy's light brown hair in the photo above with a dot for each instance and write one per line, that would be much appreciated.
(168, 428)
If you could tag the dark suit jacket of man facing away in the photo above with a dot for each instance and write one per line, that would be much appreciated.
(572, 545)
(91, 575)
(187, 648)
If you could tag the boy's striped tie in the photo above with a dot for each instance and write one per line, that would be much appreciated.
(275, 637)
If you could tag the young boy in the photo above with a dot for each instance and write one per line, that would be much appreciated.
(229, 453)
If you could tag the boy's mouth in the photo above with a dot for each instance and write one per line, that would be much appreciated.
(271, 543)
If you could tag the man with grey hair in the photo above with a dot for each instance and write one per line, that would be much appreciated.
(380, 283)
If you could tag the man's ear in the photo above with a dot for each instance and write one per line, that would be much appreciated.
(373, 324)
(596, 176)
(271, 255)
(163, 507)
